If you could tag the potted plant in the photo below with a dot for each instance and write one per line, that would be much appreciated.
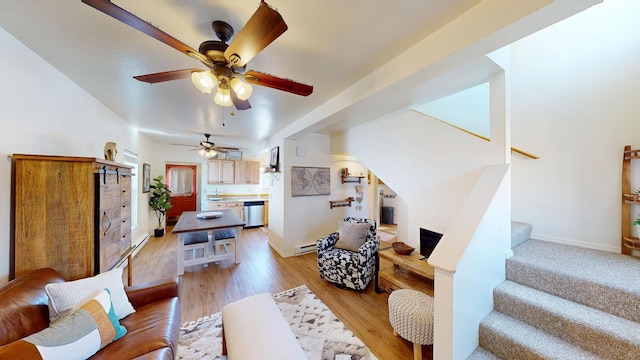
(160, 202)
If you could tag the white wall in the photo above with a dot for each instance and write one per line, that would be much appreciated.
(416, 157)
(56, 118)
(575, 104)
(304, 219)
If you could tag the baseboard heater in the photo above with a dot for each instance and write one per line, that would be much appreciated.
(305, 249)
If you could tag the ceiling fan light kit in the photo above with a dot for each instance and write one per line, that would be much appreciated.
(204, 81)
(226, 62)
(208, 153)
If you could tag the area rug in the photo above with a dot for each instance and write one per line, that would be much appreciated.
(320, 334)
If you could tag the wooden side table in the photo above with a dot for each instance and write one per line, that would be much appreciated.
(406, 272)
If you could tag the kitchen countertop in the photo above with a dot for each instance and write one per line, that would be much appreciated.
(240, 198)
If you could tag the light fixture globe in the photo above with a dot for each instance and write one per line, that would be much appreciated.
(208, 153)
(204, 81)
(223, 96)
(242, 89)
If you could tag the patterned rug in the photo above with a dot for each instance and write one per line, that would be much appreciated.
(320, 334)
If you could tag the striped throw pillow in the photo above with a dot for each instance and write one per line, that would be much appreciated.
(78, 336)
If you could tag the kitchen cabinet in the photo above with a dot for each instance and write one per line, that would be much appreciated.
(221, 171)
(247, 172)
(236, 206)
(233, 172)
(69, 213)
(265, 220)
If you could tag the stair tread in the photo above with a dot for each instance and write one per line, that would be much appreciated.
(568, 320)
(481, 353)
(594, 278)
(597, 266)
(533, 343)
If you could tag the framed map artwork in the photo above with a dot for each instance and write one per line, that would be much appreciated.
(309, 181)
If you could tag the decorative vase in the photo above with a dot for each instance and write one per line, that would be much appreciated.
(158, 232)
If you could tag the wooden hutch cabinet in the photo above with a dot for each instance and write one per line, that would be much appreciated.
(69, 213)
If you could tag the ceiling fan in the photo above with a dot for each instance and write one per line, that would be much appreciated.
(209, 149)
(226, 62)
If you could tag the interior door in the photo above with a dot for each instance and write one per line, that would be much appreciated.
(181, 180)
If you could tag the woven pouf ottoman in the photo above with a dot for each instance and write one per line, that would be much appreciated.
(411, 316)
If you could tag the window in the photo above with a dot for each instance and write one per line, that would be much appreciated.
(131, 159)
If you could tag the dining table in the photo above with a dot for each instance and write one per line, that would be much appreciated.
(217, 235)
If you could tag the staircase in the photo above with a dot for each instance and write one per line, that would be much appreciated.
(563, 302)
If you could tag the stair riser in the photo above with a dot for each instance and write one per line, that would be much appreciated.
(520, 232)
(589, 338)
(613, 301)
(504, 347)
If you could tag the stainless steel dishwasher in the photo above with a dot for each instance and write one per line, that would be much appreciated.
(254, 213)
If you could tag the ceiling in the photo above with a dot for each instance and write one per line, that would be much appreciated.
(330, 44)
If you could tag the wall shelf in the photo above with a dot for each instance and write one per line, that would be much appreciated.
(352, 179)
(629, 243)
(339, 203)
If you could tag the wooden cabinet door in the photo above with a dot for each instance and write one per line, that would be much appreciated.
(247, 172)
(265, 218)
(237, 207)
(53, 216)
(109, 221)
(221, 171)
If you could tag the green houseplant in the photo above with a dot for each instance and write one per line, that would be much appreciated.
(160, 202)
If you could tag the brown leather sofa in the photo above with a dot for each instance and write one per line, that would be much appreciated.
(152, 331)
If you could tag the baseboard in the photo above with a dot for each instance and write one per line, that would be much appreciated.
(281, 253)
(611, 249)
(141, 244)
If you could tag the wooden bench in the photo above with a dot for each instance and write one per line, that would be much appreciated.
(254, 328)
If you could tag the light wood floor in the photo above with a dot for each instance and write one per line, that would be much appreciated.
(205, 290)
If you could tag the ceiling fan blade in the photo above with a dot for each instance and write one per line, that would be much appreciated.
(226, 148)
(128, 18)
(237, 102)
(274, 82)
(262, 29)
(166, 76)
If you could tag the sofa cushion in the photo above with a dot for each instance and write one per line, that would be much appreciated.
(352, 235)
(65, 298)
(78, 336)
(151, 328)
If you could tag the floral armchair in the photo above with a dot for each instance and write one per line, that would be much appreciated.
(347, 268)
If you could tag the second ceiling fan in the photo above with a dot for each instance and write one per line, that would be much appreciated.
(226, 62)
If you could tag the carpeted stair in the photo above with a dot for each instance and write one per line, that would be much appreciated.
(563, 302)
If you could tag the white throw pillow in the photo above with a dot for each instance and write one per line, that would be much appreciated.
(66, 297)
(352, 235)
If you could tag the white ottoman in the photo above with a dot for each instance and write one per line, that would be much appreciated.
(411, 316)
(254, 328)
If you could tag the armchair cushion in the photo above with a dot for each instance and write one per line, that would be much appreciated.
(351, 235)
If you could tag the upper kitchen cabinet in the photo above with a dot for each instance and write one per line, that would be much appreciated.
(221, 171)
(247, 172)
